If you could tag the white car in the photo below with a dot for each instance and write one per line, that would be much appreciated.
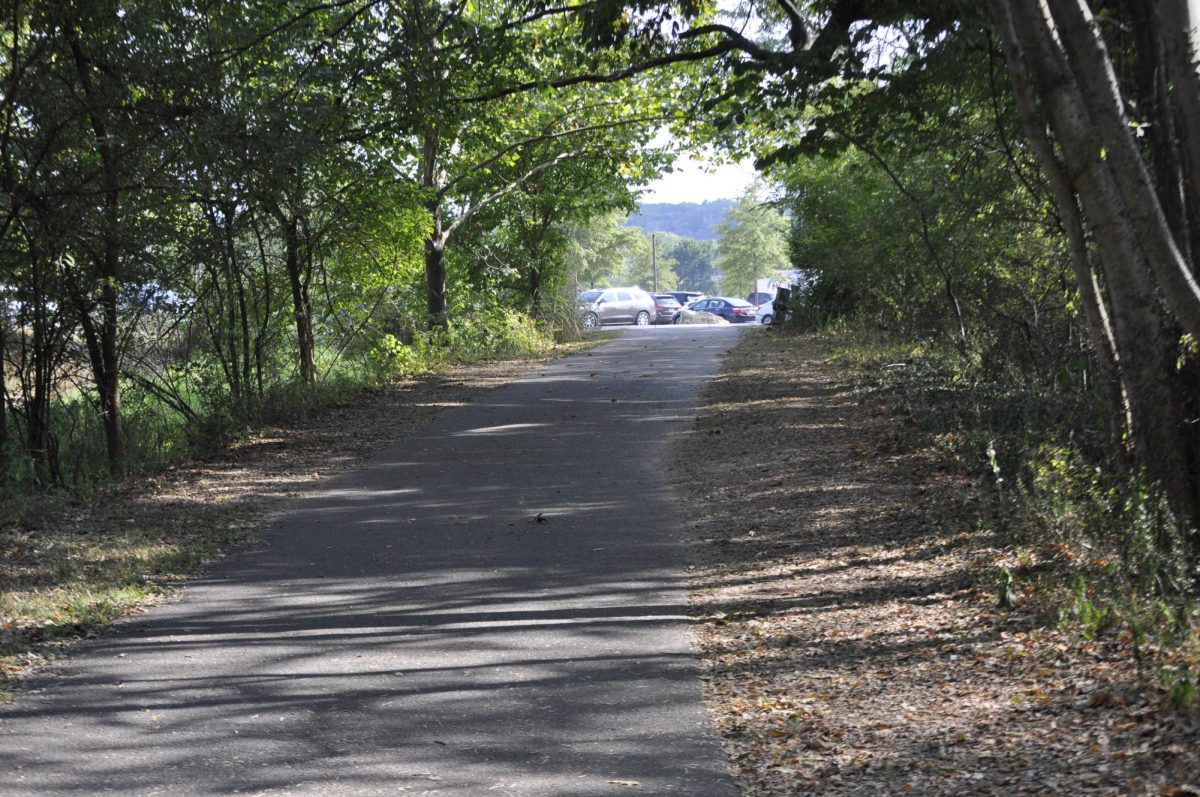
(765, 313)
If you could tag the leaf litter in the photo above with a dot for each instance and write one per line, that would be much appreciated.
(848, 618)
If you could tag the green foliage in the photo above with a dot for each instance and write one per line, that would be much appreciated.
(249, 235)
(694, 264)
(751, 244)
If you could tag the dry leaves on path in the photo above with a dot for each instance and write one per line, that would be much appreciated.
(848, 614)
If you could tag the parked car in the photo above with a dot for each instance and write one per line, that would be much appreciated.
(765, 313)
(683, 297)
(665, 307)
(759, 298)
(735, 311)
(601, 306)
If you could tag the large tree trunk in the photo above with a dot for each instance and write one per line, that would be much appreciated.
(1099, 325)
(1105, 189)
(1179, 23)
(1087, 72)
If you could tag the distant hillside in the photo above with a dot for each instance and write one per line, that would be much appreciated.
(696, 220)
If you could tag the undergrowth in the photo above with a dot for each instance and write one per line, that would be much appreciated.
(1088, 544)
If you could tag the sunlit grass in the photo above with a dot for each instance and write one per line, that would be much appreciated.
(61, 583)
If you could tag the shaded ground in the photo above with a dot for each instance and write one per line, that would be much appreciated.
(850, 626)
(851, 636)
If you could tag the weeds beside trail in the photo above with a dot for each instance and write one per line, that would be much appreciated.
(851, 592)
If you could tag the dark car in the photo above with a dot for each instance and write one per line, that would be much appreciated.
(665, 307)
(735, 311)
(683, 297)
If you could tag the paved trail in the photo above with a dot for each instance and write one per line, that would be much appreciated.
(495, 605)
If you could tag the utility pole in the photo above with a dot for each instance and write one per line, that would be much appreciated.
(654, 258)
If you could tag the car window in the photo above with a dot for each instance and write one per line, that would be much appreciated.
(587, 297)
(623, 296)
(609, 296)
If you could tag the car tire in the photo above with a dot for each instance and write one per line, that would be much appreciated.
(643, 319)
(591, 321)
(767, 318)
(678, 319)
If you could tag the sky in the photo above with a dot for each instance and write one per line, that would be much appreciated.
(694, 181)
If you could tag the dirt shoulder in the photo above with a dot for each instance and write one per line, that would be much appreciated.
(849, 619)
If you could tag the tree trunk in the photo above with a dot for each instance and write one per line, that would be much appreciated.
(1155, 112)
(1099, 325)
(105, 354)
(3, 390)
(42, 360)
(435, 267)
(301, 305)
(1088, 70)
(1178, 21)
(535, 290)
(110, 377)
(1160, 442)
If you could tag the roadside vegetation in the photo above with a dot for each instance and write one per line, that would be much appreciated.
(965, 317)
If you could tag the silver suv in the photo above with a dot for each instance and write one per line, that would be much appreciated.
(616, 306)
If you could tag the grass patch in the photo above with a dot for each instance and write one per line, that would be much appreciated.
(76, 570)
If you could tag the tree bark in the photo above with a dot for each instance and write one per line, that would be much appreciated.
(1178, 23)
(435, 265)
(1089, 71)
(1159, 437)
(1153, 104)
(1099, 325)
(3, 390)
(301, 304)
(435, 245)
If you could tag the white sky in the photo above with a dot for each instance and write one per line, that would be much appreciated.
(696, 181)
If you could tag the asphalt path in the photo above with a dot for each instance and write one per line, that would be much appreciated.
(495, 605)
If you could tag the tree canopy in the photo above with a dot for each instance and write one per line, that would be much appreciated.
(204, 206)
